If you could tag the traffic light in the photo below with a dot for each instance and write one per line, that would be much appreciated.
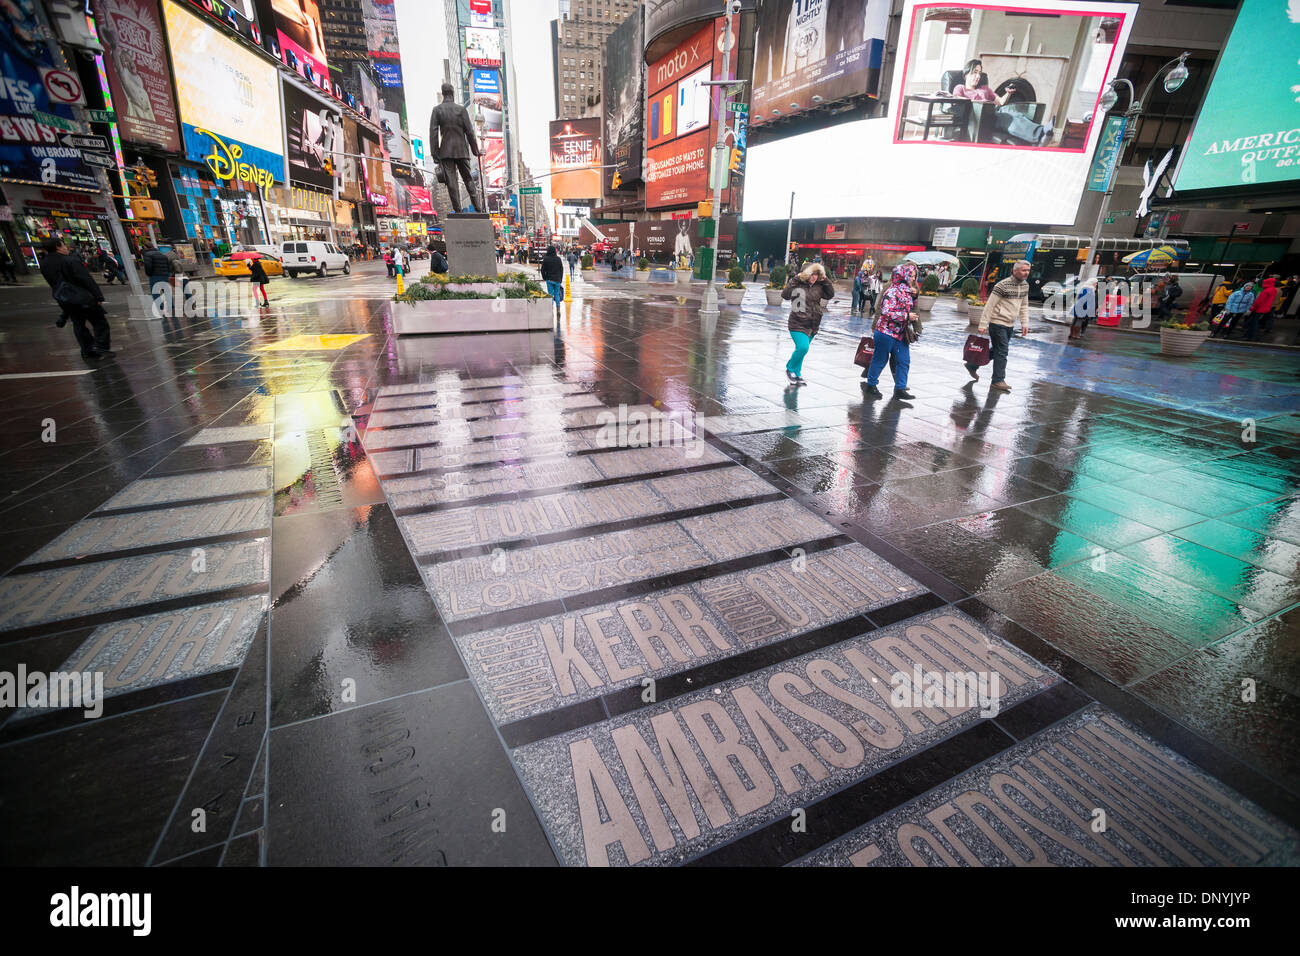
(329, 167)
(617, 182)
(736, 156)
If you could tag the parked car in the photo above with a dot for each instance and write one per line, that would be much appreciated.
(311, 255)
(235, 265)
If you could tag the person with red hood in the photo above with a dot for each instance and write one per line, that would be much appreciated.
(1262, 308)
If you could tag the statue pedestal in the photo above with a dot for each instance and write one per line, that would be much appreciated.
(471, 244)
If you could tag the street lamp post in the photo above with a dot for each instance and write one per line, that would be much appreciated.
(709, 306)
(1175, 74)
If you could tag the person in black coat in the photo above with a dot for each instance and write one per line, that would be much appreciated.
(553, 275)
(257, 276)
(158, 270)
(78, 295)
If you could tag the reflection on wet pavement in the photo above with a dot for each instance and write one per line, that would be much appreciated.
(435, 560)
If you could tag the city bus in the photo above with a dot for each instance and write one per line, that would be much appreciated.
(1055, 258)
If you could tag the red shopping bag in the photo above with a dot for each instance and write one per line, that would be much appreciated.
(866, 351)
(977, 350)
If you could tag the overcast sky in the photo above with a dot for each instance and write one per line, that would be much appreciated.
(422, 33)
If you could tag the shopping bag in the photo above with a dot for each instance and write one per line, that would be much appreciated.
(977, 350)
(866, 351)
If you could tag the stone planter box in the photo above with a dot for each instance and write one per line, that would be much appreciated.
(963, 306)
(473, 315)
(588, 275)
(1179, 342)
(684, 276)
(924, 303)
(734, 296)
(773, 296)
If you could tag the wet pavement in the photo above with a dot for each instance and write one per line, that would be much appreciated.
(616, 594)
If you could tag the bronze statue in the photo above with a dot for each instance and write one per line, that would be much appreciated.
(452, 141)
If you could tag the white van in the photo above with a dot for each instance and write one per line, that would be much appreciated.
(311, 255)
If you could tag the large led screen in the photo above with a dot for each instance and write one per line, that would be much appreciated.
(575, 158)
(1019, 152)
(302, 40)
(1247, 132)
(827, 49)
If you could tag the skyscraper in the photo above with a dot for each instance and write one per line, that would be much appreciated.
(581, 32)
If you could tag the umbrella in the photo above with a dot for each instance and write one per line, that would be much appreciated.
(1159, 256)
(930, 258)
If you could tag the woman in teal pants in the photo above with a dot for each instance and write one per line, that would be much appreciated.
(807, 293)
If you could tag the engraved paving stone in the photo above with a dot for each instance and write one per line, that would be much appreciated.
(29, 599)
(477, 482)
(161, 648)
(193, 487)
(537, 666)
(222, 435)
(149, 528)
(671, 781)
(1037, 804)
(775, 524)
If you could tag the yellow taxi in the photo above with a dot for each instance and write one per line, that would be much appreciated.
(235, 265)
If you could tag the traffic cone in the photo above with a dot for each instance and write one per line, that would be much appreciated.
(568, 293)
(401, 286)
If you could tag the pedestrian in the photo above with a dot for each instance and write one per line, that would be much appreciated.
(6, 264)
(890, 335)
(1007, 302)
(573, 260)
(807, 291)
(553, 276)
(875, 287)
(1219, 299)
(1169, 296)
(1084, 307)
(438, 262)
(79, 297)
(856, 302)
(389, 264)
(258, 279)
(108, 266)
(755, 266)
(1238, 305)
(158, 267)
(1262, 309)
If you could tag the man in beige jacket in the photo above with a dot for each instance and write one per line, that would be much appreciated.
(1008, 300)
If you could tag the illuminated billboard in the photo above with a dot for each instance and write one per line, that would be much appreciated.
(314, 137)
(1247, 133)
(1019, 152)
(301, 39)
(575, 155)
(810, 53)
(139, 77)
(623, 95)
(222, 90)
(482, 47)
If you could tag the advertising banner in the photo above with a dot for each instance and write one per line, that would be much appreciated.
(678, 173)
(1022, 120)
(301, 39)
(483, 47)
(485, 86)
(394, 141)
(222, 87)
(480, 13)
(1247, 133)
(237, 16)
(29, 150)
(575, 154)
(139, 78)
(373, 176)
(494, 162)
(421, 201)
(381, 39)
(314, 134)
(389, 72)
(624, 99)
(682, 116)
(350, 182)
(1108, 147)
(831, 49)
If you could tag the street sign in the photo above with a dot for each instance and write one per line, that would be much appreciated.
(530, 190)
(738, 107)
(99, 159)
(101, 116)
(62, 86)
(85, 142)
(58, 122)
